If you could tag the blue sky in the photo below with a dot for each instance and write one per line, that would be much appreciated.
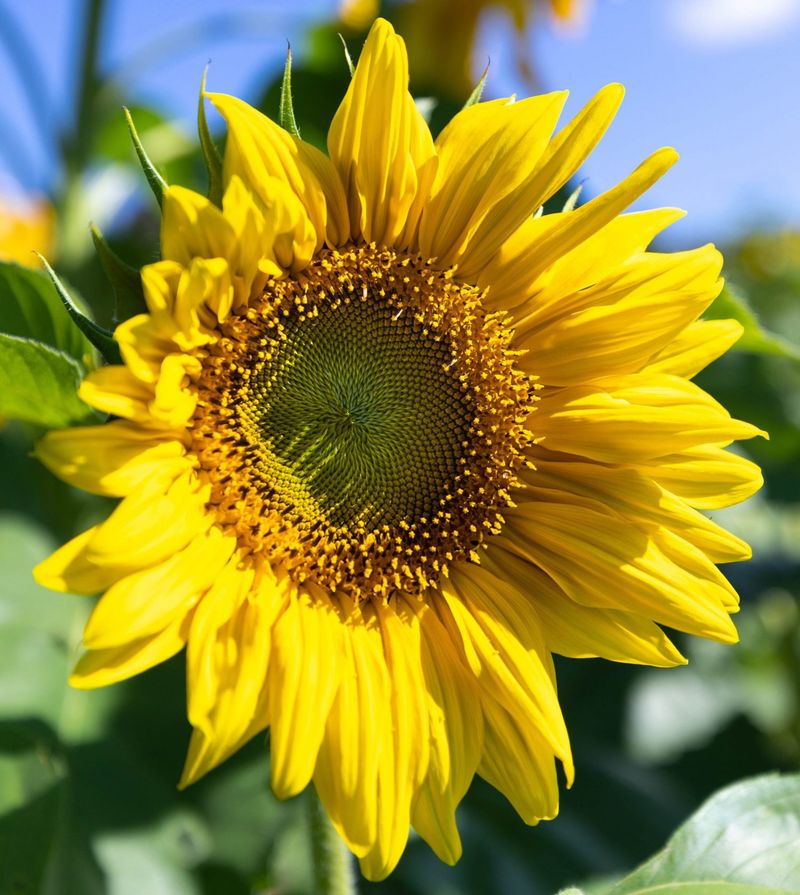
(717, 79)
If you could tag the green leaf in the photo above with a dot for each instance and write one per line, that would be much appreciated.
(39, 384)
(755, 339)
(745, 840)
(477, 93)
(29, 308)
(156, 181)
(101, 338)
(125, 280)
(31, 794)
(287, 118)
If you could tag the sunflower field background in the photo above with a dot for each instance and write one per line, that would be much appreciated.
(88, 797)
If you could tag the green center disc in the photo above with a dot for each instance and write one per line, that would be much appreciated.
(360, 415)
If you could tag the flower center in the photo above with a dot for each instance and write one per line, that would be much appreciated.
(360, 416)
(362, 422)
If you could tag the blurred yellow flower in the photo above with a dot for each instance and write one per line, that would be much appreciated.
(25, 229)
(441, 35)
(358, 14)
(386, 441)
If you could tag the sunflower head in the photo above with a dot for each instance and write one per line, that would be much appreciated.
(386, 439)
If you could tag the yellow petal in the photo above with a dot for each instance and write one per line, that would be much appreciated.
(572, 145)
(69, 569)
(633, 419)
(193, 227)
(159, 281)
(706, 477)
(456, 737)
(514, 666)
(541, 242)
(237, 654)
(173, 404)
(507, 275)
(202, 300)
(601, 561)
(584, 632)
(258, 149)
(144, 341)
(150, 525)
(207, 647)
(113, 459)
(404, 761)
(696, 347)
(637, 498)
(486, 183)
(255, 258)
(146, 602)
(572, 228)
(98, 668)
(115, 390)
(304, 677)
(356, 739)
(381, 145)
(518, 762)
(615, 327)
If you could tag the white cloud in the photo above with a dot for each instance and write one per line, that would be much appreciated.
(725, 23)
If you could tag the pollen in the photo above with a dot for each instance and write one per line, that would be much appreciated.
(363, 422)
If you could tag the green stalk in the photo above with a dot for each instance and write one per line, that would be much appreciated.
(333, 863)
(74, 241)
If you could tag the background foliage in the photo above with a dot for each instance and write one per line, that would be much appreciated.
(88, 803)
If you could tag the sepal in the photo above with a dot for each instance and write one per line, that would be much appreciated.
(156, 181)
(101, 338)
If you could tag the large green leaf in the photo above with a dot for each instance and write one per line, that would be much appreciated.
(745, 840)
(39, 384)
(755, 339)
(30, 308)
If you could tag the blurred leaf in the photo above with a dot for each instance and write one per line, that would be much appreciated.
(709, 888)
(244, 816)
(39, 384)
(743, 841)
(30, 308)
(31, 792)
(755, 339)
(125, 280)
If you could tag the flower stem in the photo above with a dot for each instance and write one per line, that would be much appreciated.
(333, 863)
(78, 144)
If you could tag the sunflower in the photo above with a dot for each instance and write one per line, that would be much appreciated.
(386, 441)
